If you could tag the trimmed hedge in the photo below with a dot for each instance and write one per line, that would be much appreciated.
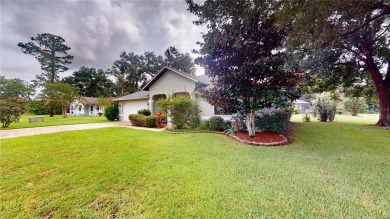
(216, 123)
(142, 120)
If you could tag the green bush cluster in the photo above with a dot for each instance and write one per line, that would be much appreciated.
(216, 123)
(112, 112)
(324, 107)
(143, 121)
(276, 122)
(145, 112)
(183, 110)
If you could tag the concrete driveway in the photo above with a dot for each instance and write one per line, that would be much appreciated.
(12, 133)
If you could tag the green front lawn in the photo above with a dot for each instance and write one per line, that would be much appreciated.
(56, 120)
(332, 170)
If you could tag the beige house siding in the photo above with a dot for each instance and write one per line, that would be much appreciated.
(131, 107)
(207, 109)
(170, 83)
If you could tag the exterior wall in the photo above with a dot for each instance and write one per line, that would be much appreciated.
(207, 109)
(131, 107)
(79, 109)
(168, 84)
(171, 82)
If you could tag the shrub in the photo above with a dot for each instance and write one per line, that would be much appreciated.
(11, 109)
(204, 125)
(150, 121)
(306, 117)
(183, 110)
(145, 112)
(216, 123)
(355, 105)
(160, 117)
(112, 112)
(325, 107)
(227, 125)
(137, 119)
(275, 122)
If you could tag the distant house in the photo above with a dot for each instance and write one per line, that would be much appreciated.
(302, 105)
(167, 82)
(86, 106)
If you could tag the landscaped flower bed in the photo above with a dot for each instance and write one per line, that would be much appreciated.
(261, 138)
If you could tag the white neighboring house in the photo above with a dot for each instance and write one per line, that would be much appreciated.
(86, 106)
(168, 81)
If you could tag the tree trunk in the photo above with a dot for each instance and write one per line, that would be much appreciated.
(64, 111)
(51, 111)
(250, 124)
(383, 89)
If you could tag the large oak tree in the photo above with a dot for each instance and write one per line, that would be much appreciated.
(338, 42)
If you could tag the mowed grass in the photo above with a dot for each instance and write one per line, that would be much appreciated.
(56, 120)
(331, 170)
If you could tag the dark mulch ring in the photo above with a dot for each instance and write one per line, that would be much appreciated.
(261, 137)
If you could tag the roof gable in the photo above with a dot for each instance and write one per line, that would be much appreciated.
(196, 79)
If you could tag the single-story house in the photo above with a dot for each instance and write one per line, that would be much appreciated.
(86, 106)
(168, 81)
(302, 105)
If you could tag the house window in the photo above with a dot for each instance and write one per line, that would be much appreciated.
(91, 108)
(79, 108)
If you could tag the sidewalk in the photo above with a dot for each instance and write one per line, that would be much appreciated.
(12, 133)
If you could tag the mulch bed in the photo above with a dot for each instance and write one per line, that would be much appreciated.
(261, 137)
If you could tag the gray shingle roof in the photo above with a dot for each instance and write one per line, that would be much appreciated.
(202, 79)
(134, 96)
(89, 100)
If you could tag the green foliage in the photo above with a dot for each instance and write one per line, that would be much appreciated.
(324, 107)
(341, 43)
(51, 53)
(112, 112)
(183, 110)
(137, 119)
(216, 123)
(11, 108)
(150, 121)
(241, 53)
(14, 88)
(60, 94)
(39, 107)
(275, 122)
(90, 82)
(143, 121)
(203, 125)
(104, 101)
(306, 117)
(355, 105)
(145, 112)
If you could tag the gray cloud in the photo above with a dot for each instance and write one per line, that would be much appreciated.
(97, 31)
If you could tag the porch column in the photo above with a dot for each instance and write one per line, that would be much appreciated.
(151, 102)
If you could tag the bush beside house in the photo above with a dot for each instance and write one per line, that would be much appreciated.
(112, 112)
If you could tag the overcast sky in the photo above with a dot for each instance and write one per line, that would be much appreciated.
(96, 30)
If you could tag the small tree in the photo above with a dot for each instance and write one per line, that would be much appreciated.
(60, 94)
(14, 88)
(183, 110)
(355, 105)
(324, 107)
(11, 109)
